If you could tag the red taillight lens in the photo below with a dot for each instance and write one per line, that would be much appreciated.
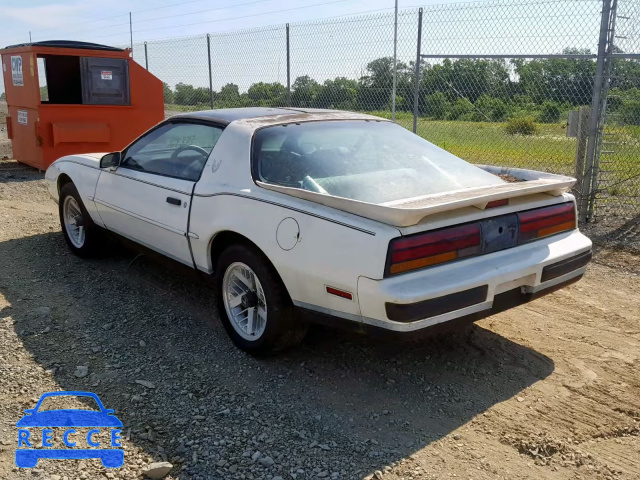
(543, 222)
(433, 248)
(452, 243)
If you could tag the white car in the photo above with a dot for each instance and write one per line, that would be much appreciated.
(343, 215)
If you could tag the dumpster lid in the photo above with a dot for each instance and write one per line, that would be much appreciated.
(68, 44)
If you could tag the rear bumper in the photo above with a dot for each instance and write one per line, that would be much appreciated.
(437, 295)
(501, 302)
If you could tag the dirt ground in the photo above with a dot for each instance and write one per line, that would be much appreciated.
(550, 389)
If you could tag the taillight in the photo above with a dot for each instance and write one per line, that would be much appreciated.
(453, 243)
(543, 222)
(433, 248)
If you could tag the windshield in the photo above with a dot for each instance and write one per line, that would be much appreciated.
(370, 161)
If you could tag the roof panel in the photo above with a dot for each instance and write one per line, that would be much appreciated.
(271, 115)
(228, 115)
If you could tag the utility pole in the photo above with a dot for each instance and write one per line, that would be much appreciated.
(395, 59)
(131, 32)
(30, 37)
(589, 182)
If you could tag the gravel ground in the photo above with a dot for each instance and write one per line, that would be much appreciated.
(547, 390)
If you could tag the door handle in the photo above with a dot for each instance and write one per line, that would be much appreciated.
(174, 201)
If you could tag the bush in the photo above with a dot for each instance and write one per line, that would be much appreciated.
(489, 109)
(550, 113)
(630, 112)
(521, 126)
(436, 106)
(459, 109)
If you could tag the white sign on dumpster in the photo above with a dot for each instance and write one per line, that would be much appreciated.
(106, 75)
(16, 71)
(23, 117)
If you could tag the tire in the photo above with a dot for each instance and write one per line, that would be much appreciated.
(86, 243)
(267, 334)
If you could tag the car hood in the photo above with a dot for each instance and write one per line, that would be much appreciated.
(88, 159)
(69, 418)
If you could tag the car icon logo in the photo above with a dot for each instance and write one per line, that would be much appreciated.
(69, 419)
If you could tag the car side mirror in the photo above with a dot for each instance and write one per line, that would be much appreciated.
(110, 160)
(29, 410)
(109, 411)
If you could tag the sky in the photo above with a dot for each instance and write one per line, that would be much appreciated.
(247, 36)
(108, 22)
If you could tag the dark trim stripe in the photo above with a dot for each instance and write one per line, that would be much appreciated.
(140, 217)
(563, 267)
(288, 207)
(436, 306)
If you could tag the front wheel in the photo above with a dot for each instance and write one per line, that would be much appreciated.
(80, 233)
(254, 305)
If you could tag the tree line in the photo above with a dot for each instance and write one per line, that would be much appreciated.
(464, 89)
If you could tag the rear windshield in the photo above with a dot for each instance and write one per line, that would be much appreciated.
(370, 161)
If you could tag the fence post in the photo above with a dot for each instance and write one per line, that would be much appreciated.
(581, 148)
(146, 57)
(209, 61)
(596, 112)
(395, 63)
(288, 70)
(416, 91)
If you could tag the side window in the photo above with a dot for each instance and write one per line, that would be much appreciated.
(176, 150)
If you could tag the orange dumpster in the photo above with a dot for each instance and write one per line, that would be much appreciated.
(69, 97)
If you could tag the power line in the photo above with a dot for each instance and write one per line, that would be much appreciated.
(234, 18)
(245, 16)
(265, 13)
(101, 19)
(202, 11)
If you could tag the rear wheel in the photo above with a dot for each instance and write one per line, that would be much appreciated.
(79, 231)
(254, 305)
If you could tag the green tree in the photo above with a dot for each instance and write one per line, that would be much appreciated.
(550, 112)
(229, 95)
(305, 92)
(467, 78)
(374, 92)
(267, 94)
(184, 94)
(340, 93)
(629, 107)
(489, 109)
(2, 96)
(168, 93)
(436, 106)
(190, 95)
(557, 79)
(460, 109)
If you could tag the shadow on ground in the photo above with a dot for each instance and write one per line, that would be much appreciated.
(364, 403)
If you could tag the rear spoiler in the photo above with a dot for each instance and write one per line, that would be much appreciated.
(406, 212)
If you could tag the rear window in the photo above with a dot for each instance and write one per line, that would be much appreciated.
(370, 161)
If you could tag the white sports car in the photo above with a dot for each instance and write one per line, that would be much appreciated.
(343, 215)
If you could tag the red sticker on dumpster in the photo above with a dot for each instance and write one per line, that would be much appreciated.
(106, 75)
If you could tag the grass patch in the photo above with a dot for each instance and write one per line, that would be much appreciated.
(548, 150)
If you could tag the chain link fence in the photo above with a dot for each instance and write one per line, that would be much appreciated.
(551, 85)
(504, 82)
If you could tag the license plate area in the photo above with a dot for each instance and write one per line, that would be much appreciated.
(499, 233)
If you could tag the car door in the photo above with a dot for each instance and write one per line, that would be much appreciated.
(147, 197)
